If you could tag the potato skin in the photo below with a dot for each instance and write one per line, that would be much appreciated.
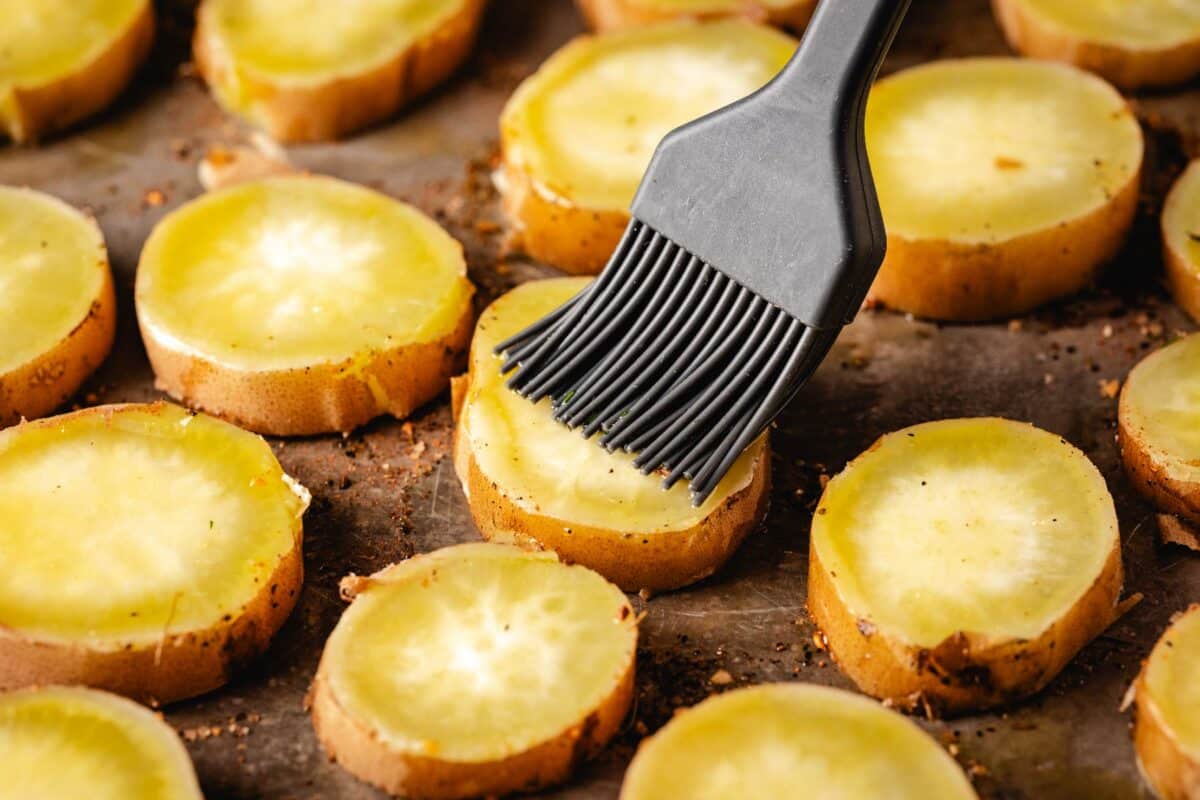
(360, 751)
(606, 15)
(1148, 475)
(321, 398)
(36, 388)
(342, 105)
(962, 282)
(1167, 767)
(1128, 68)
(634, 561)
(181, 665)
(966, 672)
(53, 106)
(1182, 279)
(552, 229)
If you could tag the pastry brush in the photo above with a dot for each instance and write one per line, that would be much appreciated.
(755, 235)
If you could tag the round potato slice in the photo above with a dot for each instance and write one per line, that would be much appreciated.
(1004, 184)
(57, 309)
(577, 135)
(769, 741)
(532, 481)
(606, 15)
(1132, 44)
(1166, 733)
(305, 71)
(1157, 428)
(145, 550)
(1181, 239)
(960, 564)
(477, 670)
(59, 742)
(63, 60)
(301, 305)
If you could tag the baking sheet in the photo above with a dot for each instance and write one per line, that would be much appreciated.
(388, 491)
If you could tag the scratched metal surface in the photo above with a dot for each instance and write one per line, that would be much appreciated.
(388, 491)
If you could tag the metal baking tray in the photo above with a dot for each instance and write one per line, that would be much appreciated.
(388, 490)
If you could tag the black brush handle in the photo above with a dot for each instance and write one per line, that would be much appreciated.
(832, 71)
(839, 57)
(775, 190)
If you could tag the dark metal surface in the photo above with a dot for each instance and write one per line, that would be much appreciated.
(389, 491)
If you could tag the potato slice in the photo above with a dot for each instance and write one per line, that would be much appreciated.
(145, 550)
(1181, 239)
(63, 60)
(1157, 428)
(305, 71)
(607, 15)
(780, 739)
(57, 309)
(577, 135)
(1166, 732)
(534, 482)
(63, 742)
(960, 564)
(476, 670)
(302, 305)
(1004, 184)
(1132, 44)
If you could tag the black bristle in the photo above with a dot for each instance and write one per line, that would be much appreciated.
(666, 357)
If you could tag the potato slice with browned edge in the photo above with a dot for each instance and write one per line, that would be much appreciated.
(145, 550)
(577, 135)
(1166, 732)
(1181, 239)
(790, 740)
(1157, 428)
(65, 743)
(63, 60)
(1132, 44)
(301, 305)
(57, 309)
(305, 71)
(960, 564)
(1004, 184)
(532, 481)
(607, 15)
(476, 670)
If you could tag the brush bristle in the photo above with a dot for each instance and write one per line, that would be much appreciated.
(668, 358)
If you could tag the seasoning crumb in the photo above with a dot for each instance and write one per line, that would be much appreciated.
(721, 678)
(1109, 388)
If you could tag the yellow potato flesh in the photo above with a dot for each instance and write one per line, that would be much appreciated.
(480, 651)
(984, 150)
(1171, 680)
(977, 525)
(587, 123)
(776, 741)
(120, 528)
(308, 41)
(63, 743)
(45, 40)
(1181, 218)
(1128, 23)
(52, 264)
(1161, 403)
(549, 469)
(289, 272)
